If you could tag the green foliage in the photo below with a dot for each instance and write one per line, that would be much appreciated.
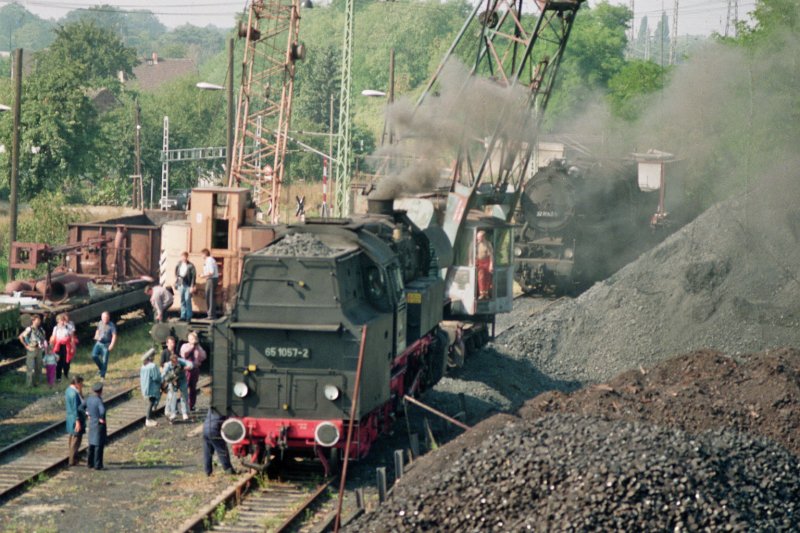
(48, 219)
(137, 29)
(595, 53)
(94, 54)
(193, 42)
(19, 28)
(628, 86)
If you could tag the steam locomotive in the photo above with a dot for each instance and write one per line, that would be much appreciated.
(579, 223)
(285, 359)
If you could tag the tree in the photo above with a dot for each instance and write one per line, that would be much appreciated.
(192, 42)
(61, 128)
(628, 87)
(643, 39)
(95, 54)
(13, 19)
(594, 54)
(660, 47)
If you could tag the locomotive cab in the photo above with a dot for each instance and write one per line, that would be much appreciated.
(480, 281)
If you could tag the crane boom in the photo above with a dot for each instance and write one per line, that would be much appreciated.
(265, 97)
(515, 50)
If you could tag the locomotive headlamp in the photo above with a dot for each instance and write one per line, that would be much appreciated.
(568, 253)
(251, 368)
(240, 389)
(331, 392)
(518, 251)
(326, 434)
(233, 431)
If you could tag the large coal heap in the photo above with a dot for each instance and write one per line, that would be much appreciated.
(569, 472)
(726, 281)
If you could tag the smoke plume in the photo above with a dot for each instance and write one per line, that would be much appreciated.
(466, 111)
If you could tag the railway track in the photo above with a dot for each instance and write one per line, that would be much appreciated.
(257, 504)
(28, 459)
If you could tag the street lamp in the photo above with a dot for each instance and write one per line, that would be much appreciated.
(228, 87)
(3, 109)
(204, 85)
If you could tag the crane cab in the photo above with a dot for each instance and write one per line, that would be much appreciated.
(480, 280)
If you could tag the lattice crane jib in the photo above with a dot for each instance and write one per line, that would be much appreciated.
(519, 49)
(272, 49)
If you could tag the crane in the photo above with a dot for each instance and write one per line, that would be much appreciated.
(264, 107)
(521, 52)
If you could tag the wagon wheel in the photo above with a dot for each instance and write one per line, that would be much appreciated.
(456, 355)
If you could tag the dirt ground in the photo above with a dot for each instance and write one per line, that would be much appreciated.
(153, 481)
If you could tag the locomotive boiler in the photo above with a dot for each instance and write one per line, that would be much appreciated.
(285, 358)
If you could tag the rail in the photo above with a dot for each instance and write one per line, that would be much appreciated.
(16, 474)
(253, 505)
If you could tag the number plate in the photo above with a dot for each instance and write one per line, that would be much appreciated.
(287, 352)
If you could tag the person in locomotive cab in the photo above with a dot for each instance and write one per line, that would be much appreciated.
(185, 277)
(484, 261)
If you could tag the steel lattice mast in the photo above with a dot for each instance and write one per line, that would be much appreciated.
(265, 97)
(341, 201)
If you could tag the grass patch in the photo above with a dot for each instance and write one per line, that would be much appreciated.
(124, 363)
(151, 452)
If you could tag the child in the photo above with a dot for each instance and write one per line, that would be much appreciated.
(50, 364)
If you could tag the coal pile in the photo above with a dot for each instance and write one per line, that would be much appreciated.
(758, 394)
(727, 281)
(301, 245)
(570, 472)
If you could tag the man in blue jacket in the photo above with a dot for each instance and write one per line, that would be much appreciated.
(150, 383)
(213, 441)
(76, 417)
(96, 411)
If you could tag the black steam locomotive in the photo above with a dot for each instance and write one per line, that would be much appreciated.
(579, 223)
(285, 359)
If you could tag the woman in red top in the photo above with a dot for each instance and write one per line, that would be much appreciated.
(63, 340)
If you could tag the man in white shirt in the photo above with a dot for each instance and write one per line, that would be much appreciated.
(211, 275)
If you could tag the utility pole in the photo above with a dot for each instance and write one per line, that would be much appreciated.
(732, 18)
(138, 184)
(673, 42)
(230, 112)
(14, 177)
(341, 201)
(633, 26)
(388, 130)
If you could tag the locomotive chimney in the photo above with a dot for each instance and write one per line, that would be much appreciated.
(384, 206)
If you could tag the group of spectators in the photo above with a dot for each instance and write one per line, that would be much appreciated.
(83, 412)
(162, 297)
(177, 375)
(58, 352)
